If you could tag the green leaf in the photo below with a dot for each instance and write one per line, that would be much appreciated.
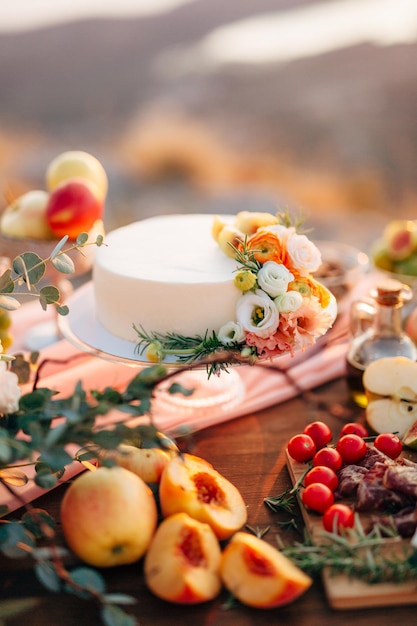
(46, 574)
(30, 266)
(56, 458)
(89, 579)
(99, 240)
(177, 388)
(36, 400)
(63, 264)
(46, 480)
(118, 598)
(12, 608)
(13, 535)
(114, 616)
(81, 239)
(59, 247)
(6, 283)
(14, 477)
(36, 519)
(62, 310)
(9, 303)
(49, 295)
(5, 449)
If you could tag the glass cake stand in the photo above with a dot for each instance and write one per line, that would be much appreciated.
(210, 394)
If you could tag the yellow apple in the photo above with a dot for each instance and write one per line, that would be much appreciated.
(190, 484)
(148, 463)
(259, 575)
(25, 217)
(183, 561)
(108, 516)
(77, 164)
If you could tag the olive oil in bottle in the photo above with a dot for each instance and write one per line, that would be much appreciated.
(384, 337)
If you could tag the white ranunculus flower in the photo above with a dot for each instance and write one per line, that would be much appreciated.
(231, 333)
(289, 301)
(274, 278)
(257, 313)
(10, 391)
(304, 254)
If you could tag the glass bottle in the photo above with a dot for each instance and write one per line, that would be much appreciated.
(376, 332)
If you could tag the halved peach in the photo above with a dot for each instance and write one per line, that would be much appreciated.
(191, 484)
(182, 563)
(259, 575)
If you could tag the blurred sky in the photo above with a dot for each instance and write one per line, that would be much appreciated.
(284, 35)
(18, 15)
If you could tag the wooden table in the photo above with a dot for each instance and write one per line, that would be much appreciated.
(250, 452)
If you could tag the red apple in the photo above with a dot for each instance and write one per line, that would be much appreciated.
(73, 208)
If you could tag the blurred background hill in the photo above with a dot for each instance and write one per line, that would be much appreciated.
(212, 106)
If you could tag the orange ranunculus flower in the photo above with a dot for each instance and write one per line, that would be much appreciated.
(266, 246)
(308, 286)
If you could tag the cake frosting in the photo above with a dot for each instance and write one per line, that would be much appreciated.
(164, 274)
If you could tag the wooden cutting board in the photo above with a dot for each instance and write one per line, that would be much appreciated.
(343, 592)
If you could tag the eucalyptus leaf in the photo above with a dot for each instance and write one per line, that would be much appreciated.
(46, 574)
(87, 581)
(37, 520)
(50, 294)
(14, 477)
(56, 458)
(119, 598)
(30, 266)
(46, 480)
(62, 309)
(9, 303)
(61, 243)
(13, 536)
(114, 616)
(64, 264)
(81, 239)
(6, 283)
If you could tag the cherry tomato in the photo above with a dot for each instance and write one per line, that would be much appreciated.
(319, 432)
(354, 428)
(301, 448)
(338, 516)
(330, 457)
(322, 474)
(351, 447)
(317, 497)
(389, 444)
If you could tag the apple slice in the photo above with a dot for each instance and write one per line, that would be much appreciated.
(191, 484)
(108, 516)
(183, 560)
(391, 388)
(258, 575)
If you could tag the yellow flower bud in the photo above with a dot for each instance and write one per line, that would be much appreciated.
(154, 352)
(245, 280)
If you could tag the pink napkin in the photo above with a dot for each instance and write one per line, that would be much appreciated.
(257, 387)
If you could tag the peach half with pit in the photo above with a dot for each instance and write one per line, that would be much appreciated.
(182, 563)
(192, 485)
(259, 575)
(108, 516)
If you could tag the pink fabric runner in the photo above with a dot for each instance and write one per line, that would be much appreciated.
(260, 387)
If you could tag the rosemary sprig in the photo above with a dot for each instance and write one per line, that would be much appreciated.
(356, 555)
(286, 500)
(208, 349)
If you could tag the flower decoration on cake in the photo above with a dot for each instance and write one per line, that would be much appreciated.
(281, 309)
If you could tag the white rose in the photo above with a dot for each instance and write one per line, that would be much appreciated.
(257, 313)
(304, 254)
(231, 333)
(274, 278)
(9, 390)
(289, 301)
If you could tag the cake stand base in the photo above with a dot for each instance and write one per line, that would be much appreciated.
(210, 395)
